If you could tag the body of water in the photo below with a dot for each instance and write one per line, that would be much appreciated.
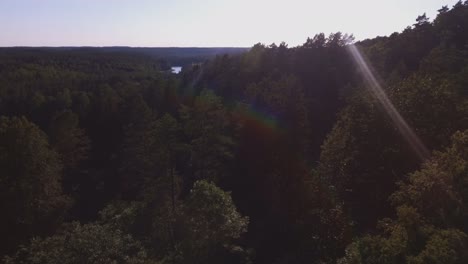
(176, 69)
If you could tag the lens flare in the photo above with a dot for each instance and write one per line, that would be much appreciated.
(376, 89)
(262, 122)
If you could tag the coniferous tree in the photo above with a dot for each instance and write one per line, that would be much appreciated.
(30, 182)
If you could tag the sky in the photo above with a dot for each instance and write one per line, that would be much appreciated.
(201, 23)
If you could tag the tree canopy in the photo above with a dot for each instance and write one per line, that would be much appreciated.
(273, 154)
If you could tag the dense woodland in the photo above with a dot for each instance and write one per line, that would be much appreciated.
(275, 155)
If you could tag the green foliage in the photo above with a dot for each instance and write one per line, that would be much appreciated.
(68, 139)
(75, 243)
(30, 182)
(362, 176)
(365, 177)
(205, 124)
(210, 206)
(137, 156)
(445, 246)
(421, 99)
(284, 100)
(142, 146)
(168, 141)
(445, 178)
(210, 223)
(120, 215)
(431, 213)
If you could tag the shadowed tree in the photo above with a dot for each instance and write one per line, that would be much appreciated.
(68, 139)
(30, 182)
(210, 223)
(78, 244)
(431, 215)
(205, 124)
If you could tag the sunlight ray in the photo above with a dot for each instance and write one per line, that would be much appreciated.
(376, 89)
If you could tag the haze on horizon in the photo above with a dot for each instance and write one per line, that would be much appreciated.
(204, 23)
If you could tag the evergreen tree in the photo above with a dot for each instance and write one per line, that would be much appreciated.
(30, 183)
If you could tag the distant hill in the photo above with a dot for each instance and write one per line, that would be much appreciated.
(181, 56)
(173, 55)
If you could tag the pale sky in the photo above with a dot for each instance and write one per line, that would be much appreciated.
(200, 23)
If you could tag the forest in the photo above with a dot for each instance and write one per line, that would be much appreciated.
(268, 155)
